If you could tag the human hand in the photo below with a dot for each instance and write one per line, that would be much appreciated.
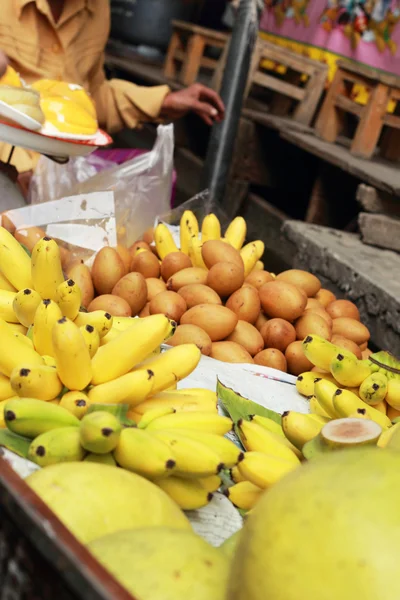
(197, 98)
(3, 63)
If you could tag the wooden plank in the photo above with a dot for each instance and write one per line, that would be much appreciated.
(371, 122)
(260, 116)
(392, 121)
(192, 28)
(305, 111)
(330, 121)
(152, 74)
(191, 65)
(370, 73)
(273, 83)
(205, 61)
(380, 230)
(349, 105)
(170, 67)
(376, 201)
(290, 59)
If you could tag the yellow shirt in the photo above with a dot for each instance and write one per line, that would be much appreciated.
(72, 50)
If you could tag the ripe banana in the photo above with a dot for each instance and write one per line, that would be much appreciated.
(211, 483)
(347, 403)
(5, 284)
(189, 494)
(132, 388)
(130, 348)
(56, 446)
(230, 454)
(374, 388)
(393, 393)
(195, 245)
(387, 435)
(18, 328)
(49, 361)
(99, 432)
(6, 391)
(164, 241)
(211, 228)
(25, 304)
(91, 337)
(300, 428)
(15, 264)
(100, 320)
(267, 424)
(250, 254)
(72, 355)
(189, 228)
(103, 459)
(172, 366)
(258, 439)
(77, 403)
(46, 316)
(199, 421)
(236, 233)
(14, 351)
(305, 383)
(316, 409)
(348, 370)
(47, 273)
(324, 391)
(69, 298)
(193, 459)
(244, 494)
(7, 306)
(180, 400)
(321, 352)
(37, 381)
(142, 453)
(236, 475)
(29, 417)
(153, 414)
(264, 470)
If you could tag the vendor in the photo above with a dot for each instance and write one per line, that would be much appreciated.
(65, 40)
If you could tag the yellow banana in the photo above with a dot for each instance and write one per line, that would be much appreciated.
(24, 339)
(178, 401)
(195, 255)
(164, 241)
(25, 304)
(14, 352)
(132, 388)
(259, 266)
(229, 454)
(99, 432)
(393, 394)
(267, 424)
(394, 442)
(142, 453)
(257, 439)
(348, 370)
(100, 320)
(236, 233)
(56, 446)
(153, 414)
(316, 408)
(189, 228)
(119, 356)
(324, 391)
(199, 421)
(30, 417)
(69, 298)
(244, 494)
(38, 381)
(347, 403)
(211, 483)
(321, 352)
(7, 306)
(173, 365)
(15, 264)
(77, 403)
(122, 323)
(46, 316)
(236, 475)
(387, 435)
(374, 388)
(111, 335)
(264, 470)
(5, 284)
(18, 328)
(91, 337)
(47, 273)
(72, 355)
(103, 459)
(49, 361)
(210, 228)
(300, 428)
(305, 383)
(6, 391)
(188, 494)
(250, 254)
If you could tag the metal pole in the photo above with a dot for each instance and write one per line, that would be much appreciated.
(223, 135)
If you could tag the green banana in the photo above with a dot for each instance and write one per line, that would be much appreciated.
(99, 432)
(56, 446)
(29, 417)
(385, 363)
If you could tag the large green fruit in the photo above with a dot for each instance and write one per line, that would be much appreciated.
(328, 531)
(159, 563)
(94, 500)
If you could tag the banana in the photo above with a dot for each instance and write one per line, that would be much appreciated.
(6, 391)
(47, 273)
(130, 348)
(195, 245)
(374, 389)
(257, 439)
(180, 400)
(236, 475)
(210, 228)
(37, 381)
(132, 388)
(142, 453)
(321, 352)
(164, 241)
(300, 428)
(393, 394)
(56, 446)
(305, 383)
(267, 424)
(199, 421)
(347, 403)
(316, 408)
(193, 459)
(5, 284)
(15, 264)
(111, 335)
(236, 233)
(381, 407)
(122, 323)
(189, 228)
(103, 459)
(77, 403)
(99, 432)
(14, 351)
(264, 470)
(91, 337)
(49, 361)
(7, 306)
(25, 304)
(324, 391)
(46, 316)
(244, 494)
(348, 370)
(18, 328)
(30, 417)
(172, 366)
(387, 435)
(100, 320)
(259, 266)
(153, 414)
(72, 355)
(250, 254)
(69, 298)
(189, 494)
(211, 483)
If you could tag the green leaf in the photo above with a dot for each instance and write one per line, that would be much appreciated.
(239, 407)
(15, 443)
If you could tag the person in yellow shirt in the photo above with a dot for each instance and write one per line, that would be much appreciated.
(65, 40)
